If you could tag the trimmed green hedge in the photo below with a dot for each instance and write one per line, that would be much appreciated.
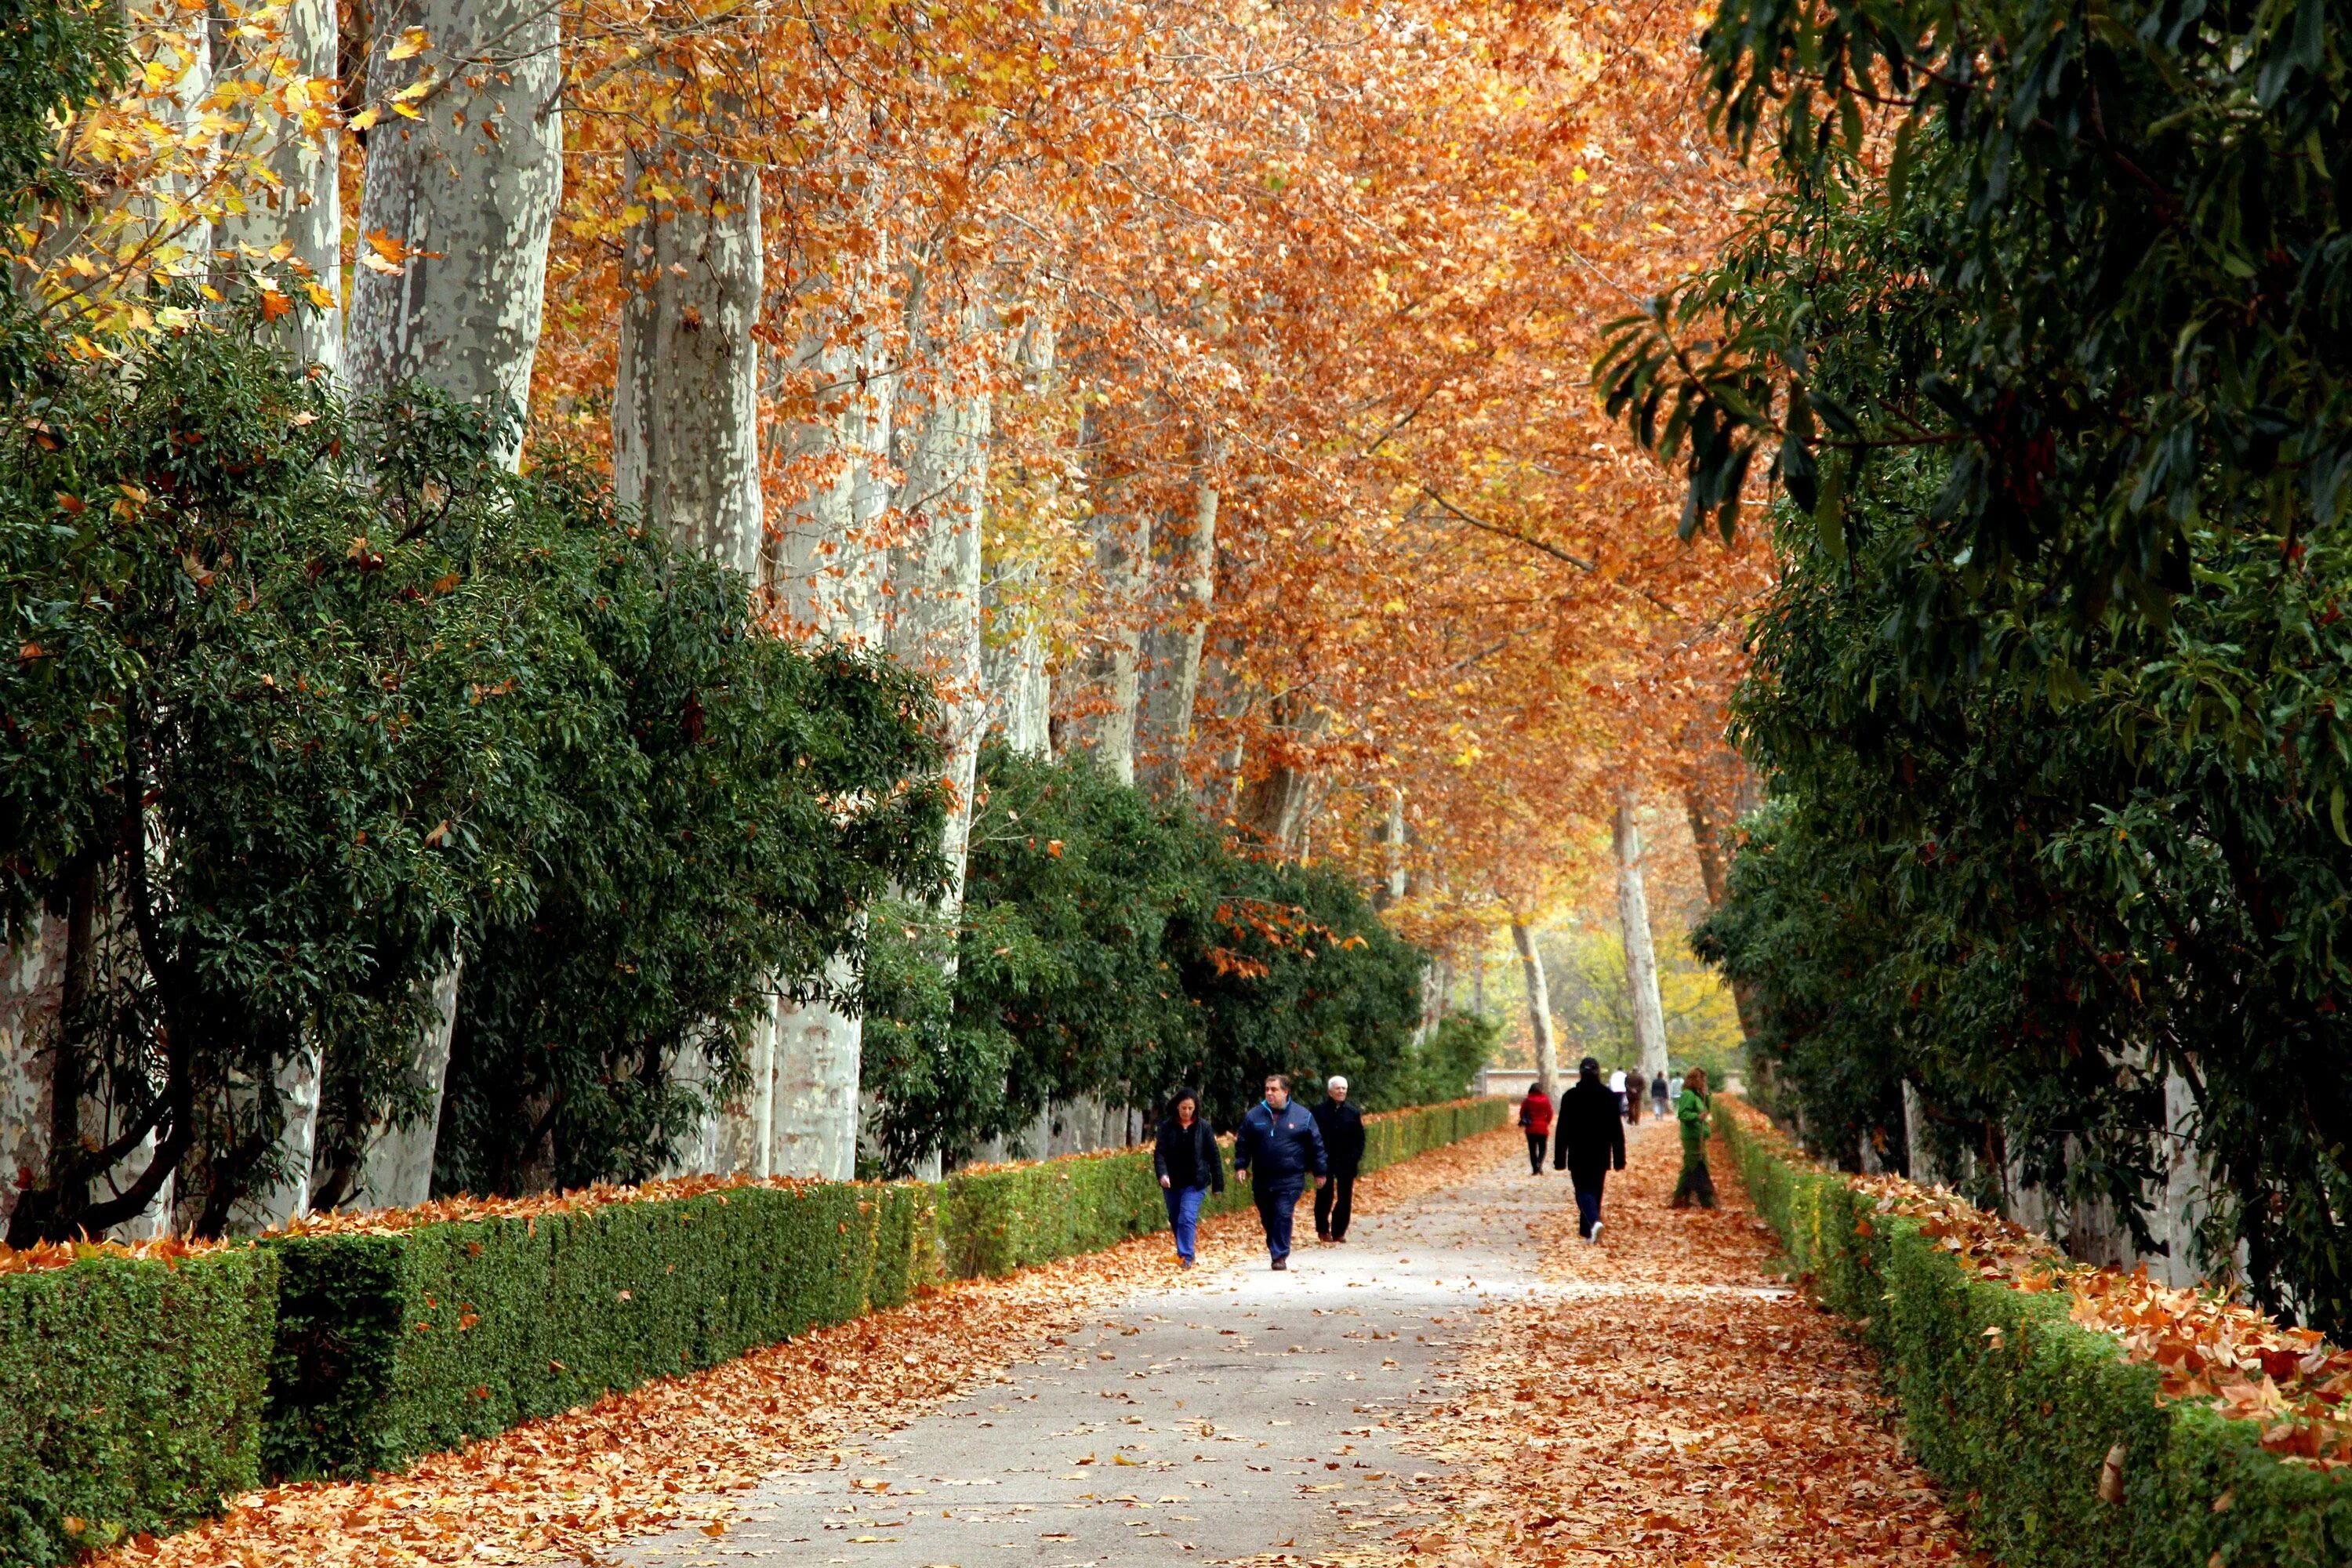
(396, 1344)
(2018, 1425)
(131, 1396)
(1005, 1217)
(141, 1393)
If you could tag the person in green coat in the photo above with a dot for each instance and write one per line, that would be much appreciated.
(1692, 1111)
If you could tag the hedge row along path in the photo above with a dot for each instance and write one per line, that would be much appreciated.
(1464, 1382)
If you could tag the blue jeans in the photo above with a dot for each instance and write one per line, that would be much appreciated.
(1277, 1203)
(1184, 1216)
(1588, 1202)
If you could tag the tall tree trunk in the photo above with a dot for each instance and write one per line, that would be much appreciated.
(396, 1171)
(1538, 1009)
(1395, 884)
(1641, 957)
(1275, 806)
(1706, 842)
(305, 213)
(686, 451)
(1122, 549)
(827, 575)
(287, 1197)
(685, 397)
(467, 193)
(935, 593)
(32, 982)
(1174, 678)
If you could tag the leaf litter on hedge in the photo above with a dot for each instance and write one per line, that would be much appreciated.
(2203, 1345)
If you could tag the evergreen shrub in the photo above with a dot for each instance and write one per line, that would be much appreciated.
(2017, 1410)
(132, 1396)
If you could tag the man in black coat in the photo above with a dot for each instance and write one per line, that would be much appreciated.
(1589, 1141)
(1342, 1126)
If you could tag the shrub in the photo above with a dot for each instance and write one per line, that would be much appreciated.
(134, 1395)
(2052, 1443)
(396, 1343)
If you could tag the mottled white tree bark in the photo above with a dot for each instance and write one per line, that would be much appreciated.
(469, 187)
(1174, 681)
(32, 986)
(1122, 552)
(1640, 957)
(1538, 1009)
(288, 1197)
(397, 1170)
(828, 572)
(686, 450)
(468, 190)
(685, 402)
(305, 213)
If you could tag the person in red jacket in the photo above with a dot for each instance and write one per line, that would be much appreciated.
(1535, 1115)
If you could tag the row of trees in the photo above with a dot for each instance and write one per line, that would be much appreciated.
(381, 806)
(2044, 341)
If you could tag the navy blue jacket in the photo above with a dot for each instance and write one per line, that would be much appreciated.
(1276, 1146)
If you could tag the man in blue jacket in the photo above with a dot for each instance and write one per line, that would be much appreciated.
(1277, 1149)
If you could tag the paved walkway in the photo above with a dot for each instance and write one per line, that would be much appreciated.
(1236, 1413)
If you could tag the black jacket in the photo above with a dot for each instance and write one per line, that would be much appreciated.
(1591, 1129)
(1342, 1126)
(1189, 1156)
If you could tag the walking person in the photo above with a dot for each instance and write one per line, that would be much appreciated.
(1658, 1105)
(1190, 1167)
(1617, 1087)
(1342, 1127)
(1535, 1118)
(1692, 1111)
(1278, 1148)
(1589, 1144)
(1636, 1086)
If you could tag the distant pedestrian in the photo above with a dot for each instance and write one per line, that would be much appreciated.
(1691, 1110)
(1591, 1143)
(1278, 1148)
(1617, 1087)
(1342, 1126)
(1535, 1118)
(1658, 1091)
(1190, 1167)
(1636, 1087)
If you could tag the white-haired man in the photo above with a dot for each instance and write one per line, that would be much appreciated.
(1342, 1126)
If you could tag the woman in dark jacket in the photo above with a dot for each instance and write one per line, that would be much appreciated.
(1190, 1167)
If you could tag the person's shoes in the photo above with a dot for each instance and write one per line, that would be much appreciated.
(1282, 1265)
(1324, 1236)
(1595, 1238)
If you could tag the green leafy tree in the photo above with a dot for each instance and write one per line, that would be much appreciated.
(2044, 345)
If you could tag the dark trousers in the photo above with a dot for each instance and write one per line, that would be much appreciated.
(1695, 1183)
(1535, 1141)
(1335, 1204)
(1589, 1185)
(1277, 1202)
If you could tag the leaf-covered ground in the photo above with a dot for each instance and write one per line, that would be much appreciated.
(1669, 1401)
(1659, 1399)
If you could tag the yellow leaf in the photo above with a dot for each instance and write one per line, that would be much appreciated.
(413, 42)
(366, 117)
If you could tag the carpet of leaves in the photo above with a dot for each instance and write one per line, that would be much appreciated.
(2203, 1345)
(1667, 1401)
(678, 1452)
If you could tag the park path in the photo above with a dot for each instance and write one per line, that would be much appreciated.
(1462, 1382)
